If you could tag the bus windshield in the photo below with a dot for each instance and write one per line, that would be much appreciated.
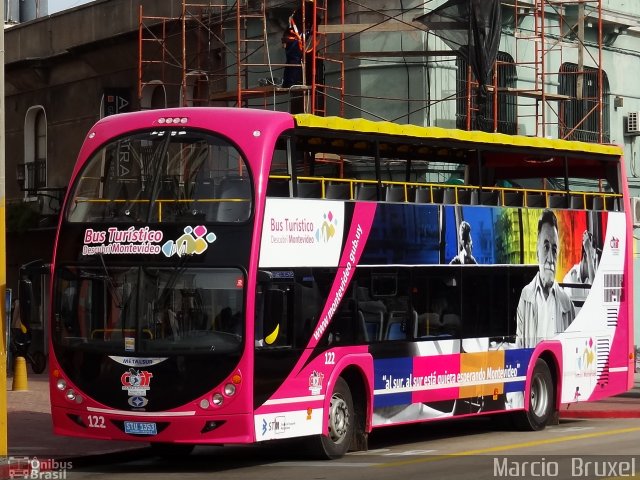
(148, 309)
(163, 175)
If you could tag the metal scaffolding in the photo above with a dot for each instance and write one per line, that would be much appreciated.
(223, 58)
(215, 53)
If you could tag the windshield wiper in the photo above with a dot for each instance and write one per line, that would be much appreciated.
(159, 156)
(103, 276)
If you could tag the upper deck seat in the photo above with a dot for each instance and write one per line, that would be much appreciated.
(337, 191)
(558, 201)
(278, 187)
(512, 199)
(463, 196)
(449, 196)
(599, 203)
(580, 202)
(484, 197)
(424, 195)
(367, 191)
(536, 200)
(309, 190)
(395, 193)
(237, 190)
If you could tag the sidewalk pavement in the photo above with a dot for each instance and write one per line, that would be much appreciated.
(30, 430)
(625, 405)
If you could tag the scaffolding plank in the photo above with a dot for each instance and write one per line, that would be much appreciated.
(386, 26)
(537, 94)
(396, 53)
(255, 92)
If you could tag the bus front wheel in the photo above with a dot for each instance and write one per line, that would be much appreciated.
(341, 421)
(541, 399)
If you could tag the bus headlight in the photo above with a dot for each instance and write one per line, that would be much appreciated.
(61, 384)
(229, 389)
(217, 399)
(204, 403)
(70, 394)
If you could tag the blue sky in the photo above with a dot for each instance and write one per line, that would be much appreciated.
(58, 5)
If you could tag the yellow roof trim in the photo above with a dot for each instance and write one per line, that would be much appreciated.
(362, 125)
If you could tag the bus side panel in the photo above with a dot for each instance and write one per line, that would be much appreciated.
(592, 320)
(301, 411)
(595, 346)
(445, 375)
(435, 380)
(295, 408)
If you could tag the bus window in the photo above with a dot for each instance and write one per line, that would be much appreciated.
(163, 176)
(274, 318)
(371, 316)
(307, 307)
(384, 285)
(274, 309)
(486, 305)
(436, 298)
(345, 327)
(169, 310)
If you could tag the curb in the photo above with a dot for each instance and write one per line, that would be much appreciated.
(600, 414)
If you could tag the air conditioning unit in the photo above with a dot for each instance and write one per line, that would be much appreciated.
(633, 122)
(635, 211)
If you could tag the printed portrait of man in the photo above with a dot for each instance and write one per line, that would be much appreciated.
(544, 309)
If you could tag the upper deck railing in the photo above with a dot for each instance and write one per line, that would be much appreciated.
(417, 192)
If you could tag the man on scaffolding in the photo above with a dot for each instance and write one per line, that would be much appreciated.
(298, 42)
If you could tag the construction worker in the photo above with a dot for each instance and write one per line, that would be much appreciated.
(297, 42)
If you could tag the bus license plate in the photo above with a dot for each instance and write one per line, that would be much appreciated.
(140, 428)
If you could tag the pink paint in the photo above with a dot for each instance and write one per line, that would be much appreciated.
(434, 373)
(355, 242)
(200, 230)
(356, 239)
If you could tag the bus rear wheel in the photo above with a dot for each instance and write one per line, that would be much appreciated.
(541, 399)
(341, 421)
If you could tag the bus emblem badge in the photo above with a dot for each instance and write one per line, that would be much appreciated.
(315, 382)
(194, 241)
(136, 382)
(138, 402)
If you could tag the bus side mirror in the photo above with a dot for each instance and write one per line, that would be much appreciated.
(265, 277)
(25, 292)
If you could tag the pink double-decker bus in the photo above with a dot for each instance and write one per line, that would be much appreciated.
(232, 276)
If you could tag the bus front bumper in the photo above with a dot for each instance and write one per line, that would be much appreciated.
(180, 427)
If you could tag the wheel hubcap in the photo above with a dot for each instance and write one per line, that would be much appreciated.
(539, 397)
(338, 419)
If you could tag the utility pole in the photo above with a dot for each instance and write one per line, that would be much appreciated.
(3, 257)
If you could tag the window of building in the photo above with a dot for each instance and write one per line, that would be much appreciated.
(506, 105)
(197, 91)
(34, 168)
(154, 95)
(579, 118)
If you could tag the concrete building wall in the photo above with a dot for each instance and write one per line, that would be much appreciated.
(65, 62)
